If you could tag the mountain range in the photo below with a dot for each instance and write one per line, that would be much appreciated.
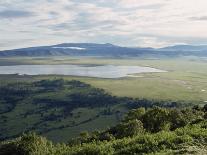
(106, 50)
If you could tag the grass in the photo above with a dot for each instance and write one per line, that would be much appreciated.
(66, 134)
(184, 81)
(65, 117)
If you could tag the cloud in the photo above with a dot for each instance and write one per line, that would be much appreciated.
(141, 3)
(153, 23)
(202, 18)
(15, 14)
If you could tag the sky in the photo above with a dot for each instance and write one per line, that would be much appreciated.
(143, 23)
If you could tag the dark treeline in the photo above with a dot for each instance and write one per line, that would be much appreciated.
(11, 94)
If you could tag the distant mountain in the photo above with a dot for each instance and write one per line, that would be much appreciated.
(77, 49)
(185, 48)
(106, 50)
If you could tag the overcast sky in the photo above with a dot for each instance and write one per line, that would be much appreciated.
(145, 23)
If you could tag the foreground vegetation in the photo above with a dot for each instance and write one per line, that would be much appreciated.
(143, 131)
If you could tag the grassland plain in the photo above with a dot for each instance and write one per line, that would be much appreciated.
(186, 79)
(57, 109)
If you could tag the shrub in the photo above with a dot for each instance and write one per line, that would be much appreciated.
(156, 119)
(28, 144)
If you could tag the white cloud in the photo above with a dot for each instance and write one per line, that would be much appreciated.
(126, 22)
(139, 3)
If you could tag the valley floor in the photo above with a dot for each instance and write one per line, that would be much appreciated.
(186, 79)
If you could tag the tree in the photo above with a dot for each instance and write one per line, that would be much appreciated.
(135, 114)
(156, 119)
(127, 129)
(28, 144)
(177, 119)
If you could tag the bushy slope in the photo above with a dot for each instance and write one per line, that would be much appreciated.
(169, 131)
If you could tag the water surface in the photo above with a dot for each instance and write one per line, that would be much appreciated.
(105, 71)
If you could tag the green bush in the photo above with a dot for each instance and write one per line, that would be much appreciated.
(28, 144)
(93, 149)
(141, 132)
(127, 129)
(156, 119)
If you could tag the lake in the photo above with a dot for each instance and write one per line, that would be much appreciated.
(105, 71)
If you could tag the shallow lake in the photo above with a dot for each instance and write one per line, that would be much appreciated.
(105, 71)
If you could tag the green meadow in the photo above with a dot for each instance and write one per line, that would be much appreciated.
(185, 79)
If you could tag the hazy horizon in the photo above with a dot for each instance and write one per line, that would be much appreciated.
(42, 45)
(134, 23)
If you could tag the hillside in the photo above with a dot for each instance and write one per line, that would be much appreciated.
(105, 50)
(60, 109)
(143, 131)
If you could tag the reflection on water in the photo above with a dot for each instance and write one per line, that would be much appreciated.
(106, 71)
